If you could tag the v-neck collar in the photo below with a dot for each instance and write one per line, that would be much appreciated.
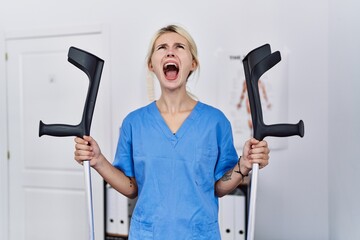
(174, 137)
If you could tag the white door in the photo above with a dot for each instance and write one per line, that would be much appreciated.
(46, 185)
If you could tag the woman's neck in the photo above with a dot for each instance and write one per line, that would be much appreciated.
(175, 103)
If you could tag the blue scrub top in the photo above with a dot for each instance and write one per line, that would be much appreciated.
(175, 173)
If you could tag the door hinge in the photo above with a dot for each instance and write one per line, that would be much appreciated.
(8, 155)
(6, 56)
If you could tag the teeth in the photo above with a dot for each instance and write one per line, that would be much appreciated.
(170, 64)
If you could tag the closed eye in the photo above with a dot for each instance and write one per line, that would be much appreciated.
(180, 46)
(161, 46)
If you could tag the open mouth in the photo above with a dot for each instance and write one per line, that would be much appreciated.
(171, 71)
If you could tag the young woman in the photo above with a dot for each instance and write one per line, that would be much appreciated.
(176, 154)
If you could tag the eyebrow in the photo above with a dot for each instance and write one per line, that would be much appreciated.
(180, 44)
(161, 45)
(165, 44)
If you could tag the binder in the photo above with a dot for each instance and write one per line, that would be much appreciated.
(232, 212)
(240, 214)
(123, 221)
(226, 216)
(111, 210)
(118, 212)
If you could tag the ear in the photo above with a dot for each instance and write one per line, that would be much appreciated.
(150, 67)
(193, 65)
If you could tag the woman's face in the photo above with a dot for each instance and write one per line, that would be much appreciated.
(172, 61)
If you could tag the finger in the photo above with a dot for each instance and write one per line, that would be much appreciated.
(254, 141)
(88, 138)
(84, 152)
(258, 150)
(80, 141)
(260, 144)
(85, 147)
(82, 158)
(258, 156)
(262, 162)
(80, 162)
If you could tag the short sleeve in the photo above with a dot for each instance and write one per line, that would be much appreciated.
(228, 157)
(123, 156)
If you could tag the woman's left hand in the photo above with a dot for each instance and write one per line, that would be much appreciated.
(254, 151)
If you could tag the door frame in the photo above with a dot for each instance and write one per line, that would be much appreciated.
(4, 183)
(5, 155)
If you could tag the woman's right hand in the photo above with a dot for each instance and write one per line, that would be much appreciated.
(87, 149)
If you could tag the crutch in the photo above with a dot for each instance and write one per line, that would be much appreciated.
(256, 63)
(92, 66)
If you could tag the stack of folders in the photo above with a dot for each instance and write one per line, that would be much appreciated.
(232, 210)
(118, 212)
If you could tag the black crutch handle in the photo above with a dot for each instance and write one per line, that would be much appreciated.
(256, 63)
(92, 66)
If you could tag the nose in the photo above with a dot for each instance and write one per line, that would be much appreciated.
(170, 54)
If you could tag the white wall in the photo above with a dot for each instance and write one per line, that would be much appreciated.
(344, 118)
(293, 190)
